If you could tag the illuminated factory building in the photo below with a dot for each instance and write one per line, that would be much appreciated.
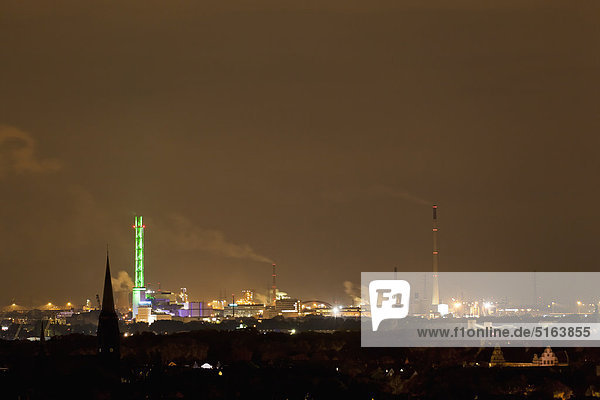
(247, 297)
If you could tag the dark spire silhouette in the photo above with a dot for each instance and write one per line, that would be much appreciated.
(108, 303)
(108, 323)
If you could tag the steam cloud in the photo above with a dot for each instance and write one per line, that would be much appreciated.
(261, 298)
(17, 153)
(353, 291)
(123, 282)
(186, 236)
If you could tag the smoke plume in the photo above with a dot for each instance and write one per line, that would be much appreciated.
(261, 298)
(341, 195)
(353, 291)
(186, 236)
(387, 191)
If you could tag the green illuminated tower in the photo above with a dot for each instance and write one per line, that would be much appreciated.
(138, 289)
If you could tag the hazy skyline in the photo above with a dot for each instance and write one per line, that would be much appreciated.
(313, 135)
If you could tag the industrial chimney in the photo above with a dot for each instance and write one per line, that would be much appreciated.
(274, 288)
(435, 296)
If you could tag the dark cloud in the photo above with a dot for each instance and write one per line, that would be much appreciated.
(18, 154)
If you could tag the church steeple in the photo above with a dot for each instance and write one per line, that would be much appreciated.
(108, 303)
(108, 323)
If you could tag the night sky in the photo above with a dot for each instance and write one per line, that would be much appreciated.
(314, 134)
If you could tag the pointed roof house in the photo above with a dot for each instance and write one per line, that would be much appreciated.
(497, 358)
(108, 323)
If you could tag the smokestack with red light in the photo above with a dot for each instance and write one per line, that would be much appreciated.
(274, 288)
(435, 295)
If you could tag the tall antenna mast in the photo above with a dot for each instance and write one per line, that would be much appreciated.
(435, 296)
(536, 299)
